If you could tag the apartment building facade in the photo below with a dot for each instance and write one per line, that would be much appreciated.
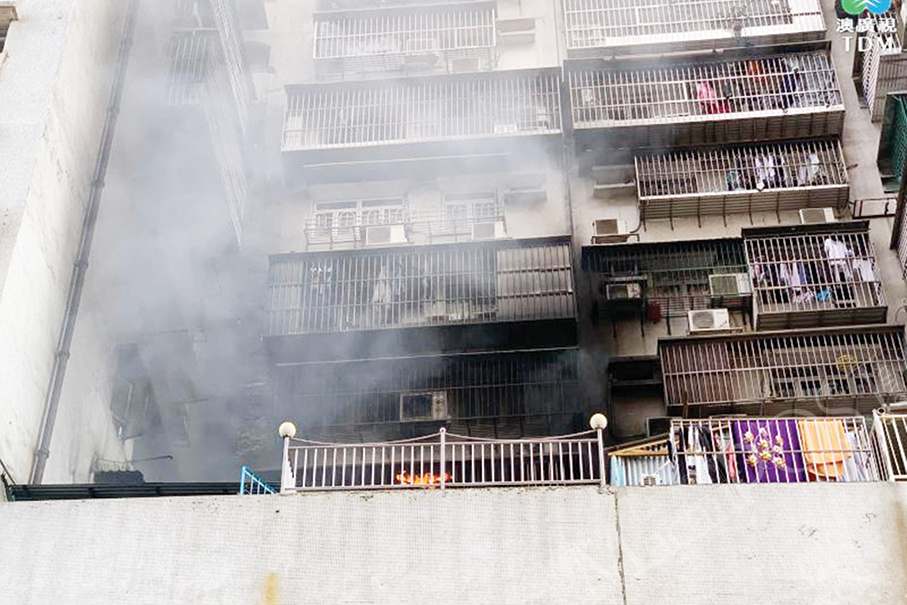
(473, 186)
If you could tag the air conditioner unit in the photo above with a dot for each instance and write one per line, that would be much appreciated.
(514, 31)
(628, 291)
(424, 406)
(811, 216)
(488, 230)
(506, 129)
(729, 284)
(609, 231)
(385, 235)
(709, 320)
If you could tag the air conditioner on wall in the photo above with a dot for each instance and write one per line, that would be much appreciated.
(811, 216)
(424, 406)
(609, 231)
(385, 235)
(729, 284)
(488, 230)
(708, 321)
(628, 291)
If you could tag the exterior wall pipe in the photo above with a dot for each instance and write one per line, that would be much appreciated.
(77, 281)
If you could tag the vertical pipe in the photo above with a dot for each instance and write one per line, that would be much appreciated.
(602, 483)
(443, 432)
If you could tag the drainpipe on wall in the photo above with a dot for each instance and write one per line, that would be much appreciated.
(77, 281)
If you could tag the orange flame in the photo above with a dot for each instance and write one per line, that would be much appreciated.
(425, 479)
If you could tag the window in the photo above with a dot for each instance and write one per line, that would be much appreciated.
(339, 220)
(460, 211)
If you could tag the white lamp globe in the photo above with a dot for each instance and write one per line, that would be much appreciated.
(287, 429)
(598, 422)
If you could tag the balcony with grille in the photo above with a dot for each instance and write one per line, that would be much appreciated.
(649, 26)
(389, 42)
(511, 293)
(814, 275)
(201, 80)
(742, 179)
(504, 395)
(418, 118)
(823, 371)
(683, 102)
(663, 279)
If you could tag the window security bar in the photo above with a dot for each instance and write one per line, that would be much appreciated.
(618, 23)
(773, 450)
(821, 273)
(420, 286)
(442, 461)
(890, 429)
(783, 176)
(775, 372)
(251, 484)
(408, 111)
(398, 41)
(190, 58)
(769, 85)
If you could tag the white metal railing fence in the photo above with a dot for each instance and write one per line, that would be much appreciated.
(890, 432)
(443, 460)
(773, 450)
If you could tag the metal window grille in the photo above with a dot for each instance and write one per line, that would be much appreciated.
(425, 286)
(251, 484)
(398, 41)
(775, 84)
(882, 64)
(902, 238)
(773, 372)
(232, 56)
(416, 111)
(352, 5)
(443, 461)
(773, 450)
(505, 394)
(190, 59)
(673, 275)
(199, 76)
(813, 276)
(890, 430)
(610, 23)
(783, 176)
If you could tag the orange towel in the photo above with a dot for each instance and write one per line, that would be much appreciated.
(825, 447)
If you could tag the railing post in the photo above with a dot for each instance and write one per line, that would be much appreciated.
(443, 433)
(287, 430)
(599, 422)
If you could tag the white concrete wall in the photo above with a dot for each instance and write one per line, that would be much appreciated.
(54, 88)
(696, 545)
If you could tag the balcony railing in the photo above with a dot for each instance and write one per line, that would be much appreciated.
(478, 283)
(511, 104)
(443, 461)
(773, 450)
(769, 97)
(811, 275)
(746, 179)
(420, 228)
(890, 429)
(773, 372)
(190, 61)
(642, 26)
(502, 394)
(446, 39)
